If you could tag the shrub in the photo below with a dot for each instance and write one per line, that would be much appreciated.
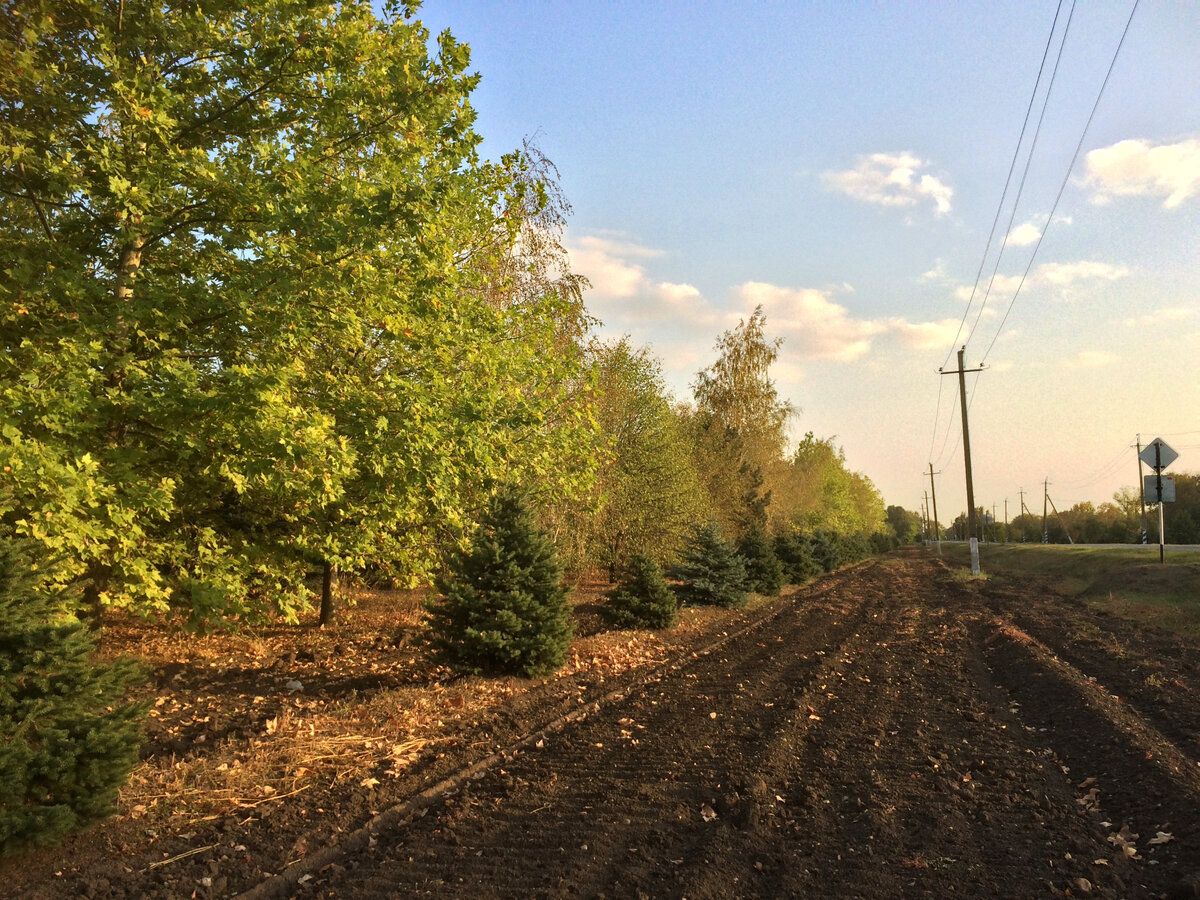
(642, 599)
(68, 739)
(764, 571)
(795, 553)
(711, 572)
(502, 607)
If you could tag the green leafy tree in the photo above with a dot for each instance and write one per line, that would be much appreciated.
(740, 424)
(823, 494)
(642, 599)
(905, 524)
(503, 606)
(710, 572)
(249, 266)
(764, 571)
(1181, 519)
(647, 494)
(68, 739)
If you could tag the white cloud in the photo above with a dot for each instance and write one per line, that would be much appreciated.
(1090, 359)
(887, 179)
(937, 273)
(605, 263)
(1023, 235)
(1066, 274)
(924, 335)
(1061, 278)
(1137, 168)
(813, 326)
(681, 324)
(1161, 317)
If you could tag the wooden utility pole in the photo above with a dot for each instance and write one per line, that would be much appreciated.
(1142, 491)
(1006, 520)
(937, 531)
(961, 371)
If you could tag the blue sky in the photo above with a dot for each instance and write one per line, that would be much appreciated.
(842, 164)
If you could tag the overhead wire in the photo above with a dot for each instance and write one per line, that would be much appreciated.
(1007, 181)
(1066, 178)
(996, 218)
(1121, 458)
(1025, 173)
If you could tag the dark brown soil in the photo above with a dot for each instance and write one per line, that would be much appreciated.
(889, 731)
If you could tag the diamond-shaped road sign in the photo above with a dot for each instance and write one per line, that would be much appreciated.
(1157, 455)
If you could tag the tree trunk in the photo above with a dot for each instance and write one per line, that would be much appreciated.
(328, 583)
(96, 582)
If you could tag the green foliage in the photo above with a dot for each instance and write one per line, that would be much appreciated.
(67, 738)
(822, 494)
(764, 571)
(502, 607)
(251, 259)
(646, 494)
(710, 571)
(642, 599)
(795, 552)
(906, 525)
(831, 550)
(740, 424)
(882, 542)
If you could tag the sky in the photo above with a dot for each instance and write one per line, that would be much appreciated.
(844, 165)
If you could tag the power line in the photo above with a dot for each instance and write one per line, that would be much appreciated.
(942, 459)
(1120, 459)
(1007, 182)
(996, 219)
(936, 415)
(1025, 173)
(1066, 178)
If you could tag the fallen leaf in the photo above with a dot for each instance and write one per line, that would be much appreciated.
(369, 782)
(1162, 837)
(1086, 783)
(707, 813)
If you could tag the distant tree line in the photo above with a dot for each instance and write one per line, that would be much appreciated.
(1118, 521)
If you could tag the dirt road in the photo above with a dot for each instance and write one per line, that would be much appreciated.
(897, 732)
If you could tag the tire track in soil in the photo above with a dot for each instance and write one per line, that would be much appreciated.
(939, 793)
(1153, 672)
(1141, 780)
(629, 775)
(629, 783)
(862, 743)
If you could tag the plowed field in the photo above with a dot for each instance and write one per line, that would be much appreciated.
(894, 730)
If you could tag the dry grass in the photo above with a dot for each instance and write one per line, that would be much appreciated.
(371, 704)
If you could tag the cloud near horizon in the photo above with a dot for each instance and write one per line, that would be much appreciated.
(1136, 168)
(681, 324)
(890, 179)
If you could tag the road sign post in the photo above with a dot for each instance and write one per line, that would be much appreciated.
(1158, 455)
